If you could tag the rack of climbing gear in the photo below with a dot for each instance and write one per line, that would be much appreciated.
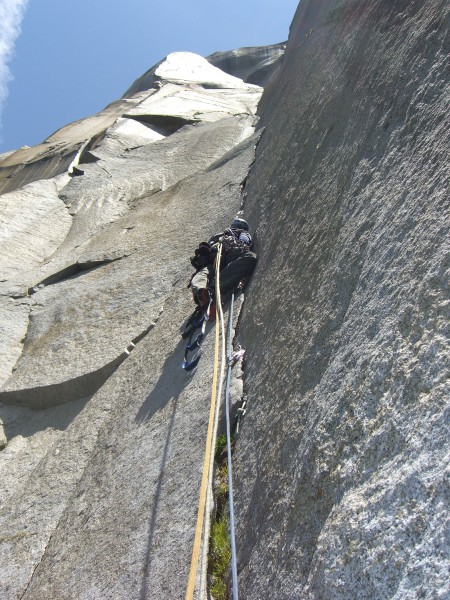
(198, 319)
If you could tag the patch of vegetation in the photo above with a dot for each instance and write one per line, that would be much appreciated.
(221, 444)
(221, 488)
(219, 558)
(219, 542)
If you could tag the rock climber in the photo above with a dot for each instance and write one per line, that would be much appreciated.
(237, 262)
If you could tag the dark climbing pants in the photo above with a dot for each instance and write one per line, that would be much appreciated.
(230, 276)
(237, 269)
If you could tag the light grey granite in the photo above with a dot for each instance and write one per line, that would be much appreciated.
(99, 440)
(33, 224)
(116, 177)
(56, 154)
(114, 475)
(128, 268)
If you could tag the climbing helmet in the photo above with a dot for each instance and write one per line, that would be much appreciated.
(239, 223)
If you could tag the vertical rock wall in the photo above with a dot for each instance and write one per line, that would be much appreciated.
(342, 461)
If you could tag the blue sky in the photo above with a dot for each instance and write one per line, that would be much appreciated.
(61, 61)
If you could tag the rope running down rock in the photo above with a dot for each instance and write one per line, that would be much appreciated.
(210, 443)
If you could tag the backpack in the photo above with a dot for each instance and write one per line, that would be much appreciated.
(203, 256)
(234, 242)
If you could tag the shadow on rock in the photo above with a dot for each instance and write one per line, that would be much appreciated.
(145, 586)
(24, 421)
(171, 383)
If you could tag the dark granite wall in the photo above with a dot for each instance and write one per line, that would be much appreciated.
(340, 458)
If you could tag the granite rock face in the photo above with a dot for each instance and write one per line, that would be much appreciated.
(342, 481)
(57, 153)
(341, 464)
(253, 65)
(100, 446)
(99, 245)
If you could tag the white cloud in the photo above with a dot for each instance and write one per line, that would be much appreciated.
(11, 16)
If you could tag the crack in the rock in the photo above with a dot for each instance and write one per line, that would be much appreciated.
(74, 269)
(165, 123)
(37, 565)
(243, 183)
(104, 169)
